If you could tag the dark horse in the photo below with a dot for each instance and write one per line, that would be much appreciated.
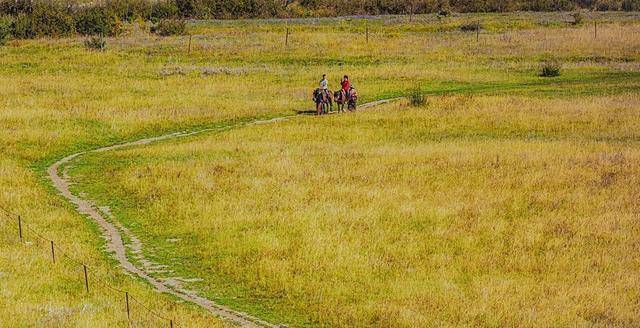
(323, 100)
(340, 98)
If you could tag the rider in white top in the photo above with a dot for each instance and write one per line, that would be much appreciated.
(324, 84)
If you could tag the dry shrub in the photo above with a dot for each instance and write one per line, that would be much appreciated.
(550, 68)
(417, 97)
(95, 43)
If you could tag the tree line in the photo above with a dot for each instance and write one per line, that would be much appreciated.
(34, 18)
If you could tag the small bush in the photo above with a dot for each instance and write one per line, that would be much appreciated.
(417, 97)
(46, 19)
(15, 7)
(550, 69)
(164, 10)
(95, 43)
(631, 5)
(470, 27)
(23, 27)
(607, 5)
(168, 27)
(6, 26)
(95, 21)
(444, 9)
(577, 18)
(128, 10)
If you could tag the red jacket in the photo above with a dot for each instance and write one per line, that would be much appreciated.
(345, 85)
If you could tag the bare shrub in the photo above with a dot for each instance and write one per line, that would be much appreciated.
(577, 18)
(550, 68)
(95, 43)
(416, 97)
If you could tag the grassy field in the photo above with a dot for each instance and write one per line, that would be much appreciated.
(518, 210)
(508, 195)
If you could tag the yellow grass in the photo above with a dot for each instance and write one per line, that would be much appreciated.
(490, 211)
(57, 98)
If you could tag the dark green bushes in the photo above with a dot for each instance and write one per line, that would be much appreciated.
(5, 29)
(36, 18)
(22, 27)
(95, 21)
(45, 19)
(164, 10)
(630, 5)
(52, 19)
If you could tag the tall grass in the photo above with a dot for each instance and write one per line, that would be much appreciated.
(475, 211)
(54, 101)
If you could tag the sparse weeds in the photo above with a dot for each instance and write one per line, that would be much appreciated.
(578, 17)
(96, 42)
(550, 68)
(416, 97)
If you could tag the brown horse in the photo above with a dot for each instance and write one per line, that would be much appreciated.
(340, 98)
(320, 99)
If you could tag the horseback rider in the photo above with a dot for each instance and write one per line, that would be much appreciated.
(319, 98)
(345, 84)
(352, 97)
(324, 84)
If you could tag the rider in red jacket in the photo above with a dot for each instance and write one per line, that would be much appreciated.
(345, 84)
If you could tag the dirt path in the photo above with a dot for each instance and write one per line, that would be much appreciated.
(113, 232)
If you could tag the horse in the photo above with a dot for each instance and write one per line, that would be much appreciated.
(323, 100)
(352, 100)
(330, 101)
(340, 97)
(320, 99)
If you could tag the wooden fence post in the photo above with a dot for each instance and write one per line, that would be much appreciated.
(478, 33)
(53, 252)
(190, 43)
(367, 32)
(170, 323)
(86, 278)
(20, 228)
(126, 299)
(286, 38)
(595, 29)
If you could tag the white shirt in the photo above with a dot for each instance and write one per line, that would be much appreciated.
(324, 84)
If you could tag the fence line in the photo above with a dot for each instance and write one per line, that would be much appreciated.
(89, 281)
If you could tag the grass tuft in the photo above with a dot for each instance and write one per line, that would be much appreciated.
(95, 43)
(550, 69)
(416, 97)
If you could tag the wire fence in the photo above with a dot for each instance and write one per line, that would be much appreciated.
(137, 313)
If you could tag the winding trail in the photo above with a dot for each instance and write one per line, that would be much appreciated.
(114, 232)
